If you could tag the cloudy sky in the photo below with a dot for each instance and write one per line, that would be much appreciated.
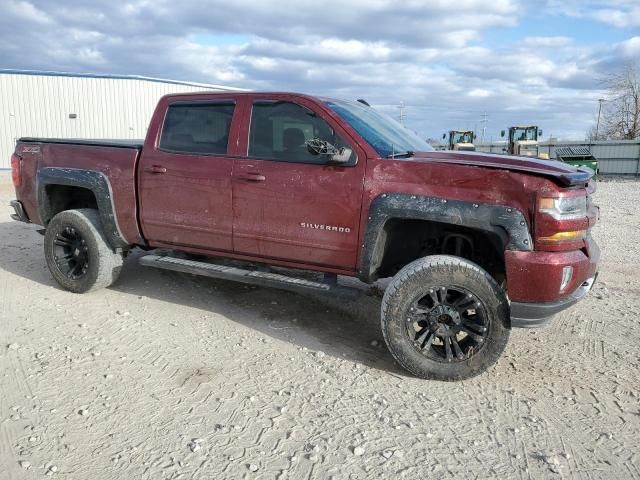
(535, 62)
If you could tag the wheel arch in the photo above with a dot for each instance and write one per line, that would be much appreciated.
(504, 226)
(79, 188)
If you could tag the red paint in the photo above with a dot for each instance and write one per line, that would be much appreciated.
(119, 165)
(536, 276)
(241, 207)
(267, 215)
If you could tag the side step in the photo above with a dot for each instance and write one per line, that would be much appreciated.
(252, 277)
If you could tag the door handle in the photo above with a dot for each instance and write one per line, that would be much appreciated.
(156, 169)
(252, 177)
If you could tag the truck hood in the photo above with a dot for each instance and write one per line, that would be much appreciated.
(563, 173)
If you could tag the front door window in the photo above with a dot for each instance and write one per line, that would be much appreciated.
(280, 131)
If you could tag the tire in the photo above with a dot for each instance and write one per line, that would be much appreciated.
(77, 252)
(421, 321)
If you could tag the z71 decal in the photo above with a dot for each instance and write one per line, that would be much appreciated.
(30, 149)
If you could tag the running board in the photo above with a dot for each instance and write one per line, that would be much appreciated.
(252, 277)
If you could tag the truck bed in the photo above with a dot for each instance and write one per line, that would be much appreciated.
(114, 160)
(96, 142)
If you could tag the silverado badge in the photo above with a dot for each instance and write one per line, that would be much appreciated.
(331, 228)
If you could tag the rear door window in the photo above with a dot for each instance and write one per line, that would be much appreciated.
(198, 128)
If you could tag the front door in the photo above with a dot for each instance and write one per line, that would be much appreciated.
(185, 182)
(289, 203)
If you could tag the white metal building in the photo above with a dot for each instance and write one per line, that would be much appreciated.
(67, 105)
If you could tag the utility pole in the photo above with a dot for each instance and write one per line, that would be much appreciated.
(402, 113)
(600, 101)
(484, 121)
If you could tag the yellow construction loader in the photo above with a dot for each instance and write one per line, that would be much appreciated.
(523, 141)
(460, 140)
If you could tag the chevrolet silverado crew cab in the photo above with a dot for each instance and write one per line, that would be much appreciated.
(475, 243)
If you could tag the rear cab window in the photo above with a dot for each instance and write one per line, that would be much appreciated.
(197, 127)
(280, 130)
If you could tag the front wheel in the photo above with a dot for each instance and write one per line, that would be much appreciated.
(77, 252)
(445, 318)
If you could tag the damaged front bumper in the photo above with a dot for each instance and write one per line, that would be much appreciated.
(530, 315)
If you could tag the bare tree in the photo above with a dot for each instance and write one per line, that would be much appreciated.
(621, 113)
(591, 135)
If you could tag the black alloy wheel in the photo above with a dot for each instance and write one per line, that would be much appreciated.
(78, 254)
(449, 324)
(444, 317)
(71, 253)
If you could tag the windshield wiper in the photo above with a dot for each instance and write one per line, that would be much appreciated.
(406, 154)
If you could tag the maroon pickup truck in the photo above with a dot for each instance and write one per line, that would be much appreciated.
(475, 243)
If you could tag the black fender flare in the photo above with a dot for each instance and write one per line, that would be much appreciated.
(506, 222)
(96, 182)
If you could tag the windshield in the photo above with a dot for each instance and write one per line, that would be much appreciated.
(385, 135)
(462, 137)
(521, 134)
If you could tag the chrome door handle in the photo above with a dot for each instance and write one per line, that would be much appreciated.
(156, 169)
(253, 177)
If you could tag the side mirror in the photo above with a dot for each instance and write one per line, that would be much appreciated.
(502, 133)
(540, 132)
(342, 156)
(444, 135)
(317, 146)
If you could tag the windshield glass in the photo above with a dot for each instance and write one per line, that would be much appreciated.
(521, 134)
(385, 135)
(462, 137)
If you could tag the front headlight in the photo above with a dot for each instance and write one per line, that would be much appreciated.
(565, 208)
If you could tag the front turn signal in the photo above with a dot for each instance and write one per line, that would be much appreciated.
(564, 236)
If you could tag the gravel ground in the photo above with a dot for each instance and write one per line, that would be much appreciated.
(171, 376)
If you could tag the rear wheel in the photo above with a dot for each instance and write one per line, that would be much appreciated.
(445, 318)
(77, 253)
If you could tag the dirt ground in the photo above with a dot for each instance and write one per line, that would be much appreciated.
(166, 375)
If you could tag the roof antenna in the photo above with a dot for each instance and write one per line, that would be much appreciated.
(364, 102)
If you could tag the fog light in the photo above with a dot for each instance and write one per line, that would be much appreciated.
(567, 273)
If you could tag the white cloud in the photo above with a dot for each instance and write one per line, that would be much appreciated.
(631, 48)
(627, 18)
(429, 55)
(617, 13)
(479, 92)
(25, 11)
(551, 42)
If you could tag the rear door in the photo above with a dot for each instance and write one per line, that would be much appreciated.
(185, 178)
(289, 204)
